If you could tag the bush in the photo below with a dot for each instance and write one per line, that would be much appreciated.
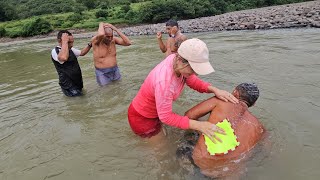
(36, 27)
(75, 18)
(125, 8)
(14, 32)
(101, 13)
(2, 32)
(132, 16)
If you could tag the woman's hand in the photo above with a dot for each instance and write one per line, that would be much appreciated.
(223, 95)
(207, 128)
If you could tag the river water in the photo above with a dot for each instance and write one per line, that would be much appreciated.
(45, 135)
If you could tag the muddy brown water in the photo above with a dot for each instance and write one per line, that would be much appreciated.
(45, 135)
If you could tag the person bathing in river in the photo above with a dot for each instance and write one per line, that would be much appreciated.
(104, 53)
(65, 60)
(247, 129)
(175, 38)
(152, 105)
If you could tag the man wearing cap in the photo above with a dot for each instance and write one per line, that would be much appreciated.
(152, 105)
(104, 53)
(246, 126)
(174, 40)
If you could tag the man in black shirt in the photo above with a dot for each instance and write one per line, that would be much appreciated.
(64, 57)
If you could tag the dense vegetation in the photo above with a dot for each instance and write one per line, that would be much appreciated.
(33, 17)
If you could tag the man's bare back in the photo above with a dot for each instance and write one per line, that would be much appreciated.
(247, 128)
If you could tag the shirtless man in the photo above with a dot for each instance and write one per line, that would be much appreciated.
(174, 40)
(247, 128)
(104, 53)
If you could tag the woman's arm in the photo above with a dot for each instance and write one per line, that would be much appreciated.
(164, 100)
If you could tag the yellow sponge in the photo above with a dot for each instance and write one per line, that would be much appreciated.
(229, 141)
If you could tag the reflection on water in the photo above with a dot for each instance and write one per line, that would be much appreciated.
(45, 135)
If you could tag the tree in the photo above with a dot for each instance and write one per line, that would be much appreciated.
(7, 12)
(90, 4)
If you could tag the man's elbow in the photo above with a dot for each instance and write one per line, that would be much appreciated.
(83, 53)
(189, 114)
(163, 49)
(128, 43)
(63, 59)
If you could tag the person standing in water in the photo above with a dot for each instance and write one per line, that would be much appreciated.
(152, 105)
(65, 60)
(175, 38)
(246, 126)
(105, 55)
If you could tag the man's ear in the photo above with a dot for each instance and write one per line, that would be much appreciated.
(236, 94)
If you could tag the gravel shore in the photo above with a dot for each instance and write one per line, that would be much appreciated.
(299, 15)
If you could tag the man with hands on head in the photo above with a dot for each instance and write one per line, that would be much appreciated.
(65, 58)
(175, 38)
(104, 53)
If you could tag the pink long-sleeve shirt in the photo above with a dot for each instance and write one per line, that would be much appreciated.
(160, 89)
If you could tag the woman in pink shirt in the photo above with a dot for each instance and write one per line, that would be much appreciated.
(164, 84)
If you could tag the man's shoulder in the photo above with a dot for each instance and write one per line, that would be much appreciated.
(183, 37)
(54, 50)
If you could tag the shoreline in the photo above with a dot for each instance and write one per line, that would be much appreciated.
(298, 15)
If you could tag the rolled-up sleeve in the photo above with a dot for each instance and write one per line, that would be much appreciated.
(197, 84)
(76, 52)
(164, 100)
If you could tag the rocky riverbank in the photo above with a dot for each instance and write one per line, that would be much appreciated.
(299, 15)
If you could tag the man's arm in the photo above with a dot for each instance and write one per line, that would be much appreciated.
(85, 50)
(162, 47)
(64, 52)
(124, 40)
(202, 108)
(170, 40)
(101, 29)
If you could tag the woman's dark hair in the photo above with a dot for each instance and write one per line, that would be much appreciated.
(61, 32)
(248, 92)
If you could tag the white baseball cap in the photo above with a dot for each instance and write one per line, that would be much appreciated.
(196, 53)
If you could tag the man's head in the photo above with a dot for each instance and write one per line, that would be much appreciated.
(106, 38)
(70, 40)
(247, 92)
(172, 27)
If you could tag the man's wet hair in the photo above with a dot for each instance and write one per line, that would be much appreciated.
(172, 23)
(61, 32)
(248, 92)
(108, 29)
